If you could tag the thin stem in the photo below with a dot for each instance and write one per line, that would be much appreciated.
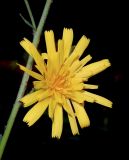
(42, 21)
(25, 78)
(27, 22)
(30, 14)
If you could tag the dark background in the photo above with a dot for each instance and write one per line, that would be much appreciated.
(105, 23)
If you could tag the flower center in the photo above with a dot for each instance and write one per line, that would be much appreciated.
(59, 82)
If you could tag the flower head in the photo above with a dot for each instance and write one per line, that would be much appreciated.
(61, 83)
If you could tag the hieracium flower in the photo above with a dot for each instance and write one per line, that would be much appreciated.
(61, 84)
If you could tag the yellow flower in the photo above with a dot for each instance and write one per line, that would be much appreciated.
(61, 83)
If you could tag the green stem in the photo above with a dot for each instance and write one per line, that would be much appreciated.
(42, 21)
(25, 78)
(27, 22)
(30, 14)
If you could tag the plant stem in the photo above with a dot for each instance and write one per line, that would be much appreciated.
(24, 81)
(42, 22)
(30, 14)
(27, 22)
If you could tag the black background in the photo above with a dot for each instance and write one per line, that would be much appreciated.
(105, 23)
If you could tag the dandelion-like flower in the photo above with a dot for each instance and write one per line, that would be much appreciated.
(61, 82)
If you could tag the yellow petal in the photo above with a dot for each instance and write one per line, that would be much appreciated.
(44, 56)
(99, 99)
(50, 42)
(31, 73)
(68, 39)
(30, 98)
(84, 61)
(57, 125)
(61, 51)
(77, 96)
(45, 94)
(58, 97)
(76, 87)
(76, 80)
(28, 46)
(40, 84)
(90, 86)
(67, 107)
(88, 98)
(73, 124)
(51, 109)
(94, 68)
(36, 112)
(81, 114)
(77, 65)
(78, 51)
(38, 68)
(31, 49)
(72, 121)
(53, 64)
